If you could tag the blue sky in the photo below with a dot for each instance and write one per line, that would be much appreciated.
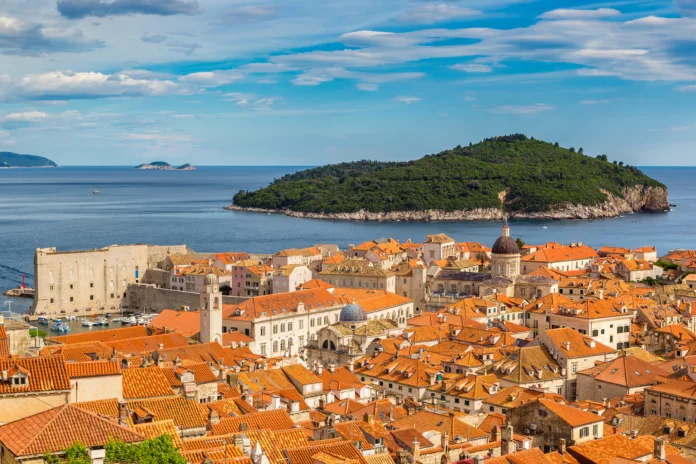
(212, 82)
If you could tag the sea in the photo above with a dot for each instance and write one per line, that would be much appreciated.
(56, 208)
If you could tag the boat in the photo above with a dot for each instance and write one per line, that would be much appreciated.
(71, 318)
(87, 323)
(43, 320)
(60, 327)
(95, 192)
(102, 321)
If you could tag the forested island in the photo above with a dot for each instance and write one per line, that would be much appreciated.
(164, 166)
(510, 175)
(15, 160)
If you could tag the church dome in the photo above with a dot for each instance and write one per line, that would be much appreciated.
(211, 279)
(352, 312)
(505, 246)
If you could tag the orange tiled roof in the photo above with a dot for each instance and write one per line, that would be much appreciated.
(44, 374)
(573, 344)
(554, 254)
(572, 416)
(110, 335)
(55, 430)
(305, 455)
(152, 430)
(187, 323)
(607, 449)
(399, 369)
(301, 374)
(134, 346)
(201, 373)
(512, 397)
(93, 369)
(438, 238)
(146, 382)
(277, 419)
(676, 387)
(627, 371)
(370, 300)
(78, 352)
(475, 387)
(4, 343)
(314, 283)
(279, 303)
(425, 421)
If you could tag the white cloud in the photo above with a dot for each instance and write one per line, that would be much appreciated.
(251, 101)
(407, 100)
(367, 87)
(470, 96)
(687, 88)
(248, 14)
(18, 37)
(568, 13)
(213, 78)
(523, 109)
(430, 14)
(23, 119)
(472, 68)
(6, 139)
(683, 128)
(66, 85)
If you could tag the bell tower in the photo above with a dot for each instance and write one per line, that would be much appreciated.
(211, 311)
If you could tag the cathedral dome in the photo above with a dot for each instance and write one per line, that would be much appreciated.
(505, 245)
(352, 312)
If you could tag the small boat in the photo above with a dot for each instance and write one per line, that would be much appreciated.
(44, 321)
(87, 323)
(95, 192)
(545, 227)
(102, 321)
(60, 327)
(71, 318)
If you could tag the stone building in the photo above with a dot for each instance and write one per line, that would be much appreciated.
(346, 341)
(91, 281)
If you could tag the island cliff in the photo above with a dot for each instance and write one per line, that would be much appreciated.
(15, 160)
(512, 175)
(163, 166)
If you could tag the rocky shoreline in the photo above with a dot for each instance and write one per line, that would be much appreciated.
(635, 199)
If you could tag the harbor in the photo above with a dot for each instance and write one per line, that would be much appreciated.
(73, 324)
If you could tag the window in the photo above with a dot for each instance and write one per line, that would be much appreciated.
(275, 329)
(262, 331)
(301, 324)
(263, 349)
(282, 345)
(326, 320)
(301, 341)
(282, 327)
(585, 431)
(71, 298)
(91, 297)
(595, 430)
(51, 288)
(595, 333)
(51, 300)
(91, 285)
(71, 286)
(112, 295)
(275, 346)
(574, 368)
(466, 402)
(311, 322)
(289, 326)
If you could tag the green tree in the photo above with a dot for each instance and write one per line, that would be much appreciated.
(520, 243)
(160, 450)
(581, 151)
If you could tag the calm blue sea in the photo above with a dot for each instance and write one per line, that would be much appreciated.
(55, 207)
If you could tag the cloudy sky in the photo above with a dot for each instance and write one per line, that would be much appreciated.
(216, 82)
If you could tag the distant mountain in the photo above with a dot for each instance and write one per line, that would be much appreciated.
(15, 160)
(514, 175)
(164, 166)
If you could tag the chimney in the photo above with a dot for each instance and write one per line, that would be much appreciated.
(160, 346)
(123, 413)
(402, 456)
(238, 441)
(322, 403)
(332, 367)
(97, 456)
(562, 446)
(243, 427)
(275, 402)
(416, 450)
(634, 434)
(351, 366)
(494, 433)
(213, 418)
(320, 369)
(600, 293)
(478, 459)
(660, 452)
(368, 418)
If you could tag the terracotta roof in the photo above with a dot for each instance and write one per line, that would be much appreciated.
(314, 283)
(358, 430)
(573, 344)
(4, 344)
(110, 335)
(676, 387)
(554, 254)
(469, 386)
(152, 430)
(146, 382)
(605, 450)
(301, 374)
(627, 371)
(279, 303)
(383, 410)
(207, 352)
(183, 411)
(134, 346)
(307, 252)
(438, 238)
(55, 430)
(265, 420)
(572, 416)
(346, 407)
(201, 373)
(512, 397)
(93, 369)
(187, 323)
(78, 352)
(402, 370)
(305, 455)
(425, 421)
(231, 257)
(271, 379)
(43, 374)
(356, 266)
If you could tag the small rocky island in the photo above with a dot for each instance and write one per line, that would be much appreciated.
(163, 166)
(15, 160)
(513, 175)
